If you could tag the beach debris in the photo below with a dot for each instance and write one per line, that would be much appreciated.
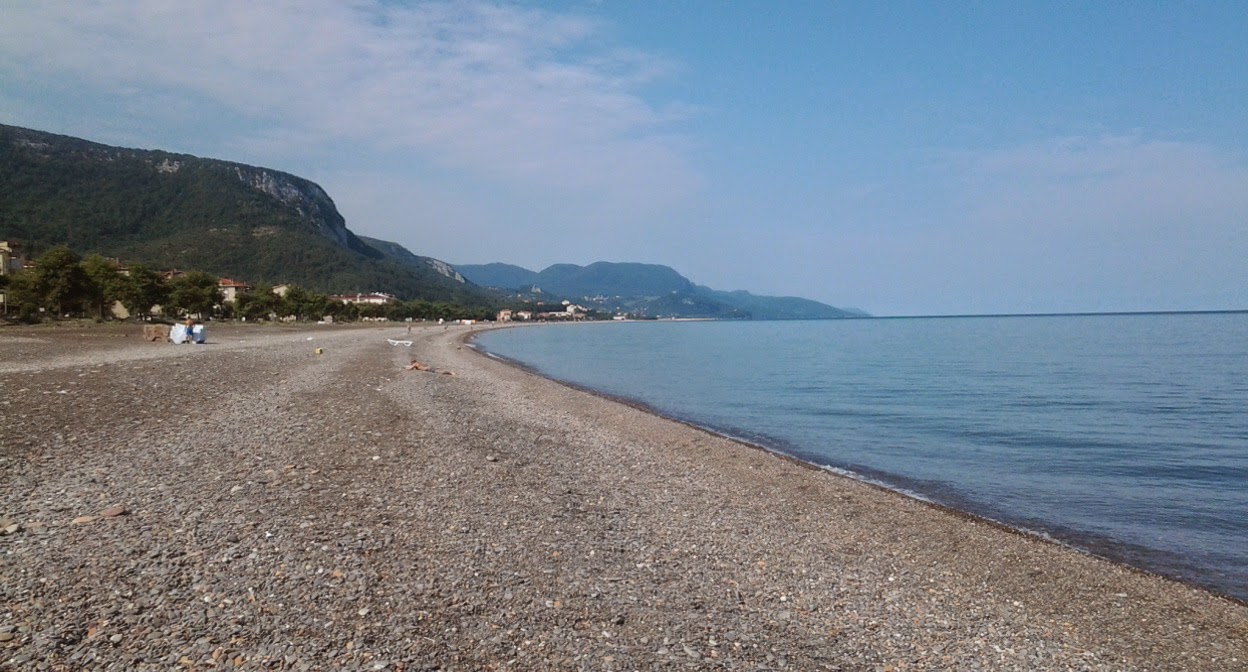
(114, 511)
(319, 351)
(154, 333)
(391, 341)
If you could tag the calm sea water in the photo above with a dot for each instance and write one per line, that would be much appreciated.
(1123, 435)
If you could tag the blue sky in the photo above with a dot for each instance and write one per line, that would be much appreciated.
(904, 158)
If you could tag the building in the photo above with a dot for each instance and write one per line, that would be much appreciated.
(375, 298)
(232, 289)
(504, 315)
(11, 260)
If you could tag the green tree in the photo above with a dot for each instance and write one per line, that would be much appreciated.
(23, 297)
(342, 312)
(304, 305)
(258, 304)
(315, 307)
(292, 302)
(104, 283)
(60, 281)
(194, 293)
(140, 289)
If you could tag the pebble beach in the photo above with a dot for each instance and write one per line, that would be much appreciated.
(305, 499)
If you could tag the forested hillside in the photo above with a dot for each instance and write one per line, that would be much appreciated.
(178, 211)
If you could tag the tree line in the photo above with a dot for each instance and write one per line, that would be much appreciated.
(62, 284)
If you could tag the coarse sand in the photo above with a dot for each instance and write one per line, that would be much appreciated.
(252, 504)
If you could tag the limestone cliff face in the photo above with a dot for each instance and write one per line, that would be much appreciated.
(446, 269)
(306, 198)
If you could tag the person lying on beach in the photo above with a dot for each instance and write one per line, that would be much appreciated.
(420, 366)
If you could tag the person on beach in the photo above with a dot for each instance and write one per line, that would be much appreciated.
(190, 331)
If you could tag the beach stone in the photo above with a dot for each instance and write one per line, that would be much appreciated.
(113, 511)
(83, 520)
(660, 541)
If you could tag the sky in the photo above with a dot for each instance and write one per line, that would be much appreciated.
(904, 158)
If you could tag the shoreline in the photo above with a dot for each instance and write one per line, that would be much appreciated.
(315, 511)
(1102, 548)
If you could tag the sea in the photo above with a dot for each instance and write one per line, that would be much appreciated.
(1124, 436)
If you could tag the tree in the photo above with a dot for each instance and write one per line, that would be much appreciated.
(140, 289)
(258, 304)
(195, 293)
(22, 295)
(104, 283)
(292, 302)
(314, 307)
(60, 281)
(370, 310)
(343, 312)
(305, 305)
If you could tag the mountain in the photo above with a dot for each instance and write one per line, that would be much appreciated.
(599, 278)
(179, 211)
(646, 289)
(404, 256)
(778, 307)
(499, 276)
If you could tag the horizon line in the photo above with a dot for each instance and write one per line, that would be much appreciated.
(1055, 314)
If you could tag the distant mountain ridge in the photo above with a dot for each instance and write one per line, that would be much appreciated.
(599, 278)
(260, 225)
(649, 289)
(180, 211)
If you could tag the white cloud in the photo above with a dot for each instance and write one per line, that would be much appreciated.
(517, 95)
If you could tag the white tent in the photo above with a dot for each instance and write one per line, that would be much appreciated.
(178, 334)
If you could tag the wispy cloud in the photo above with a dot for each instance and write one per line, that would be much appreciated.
(515, 94)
